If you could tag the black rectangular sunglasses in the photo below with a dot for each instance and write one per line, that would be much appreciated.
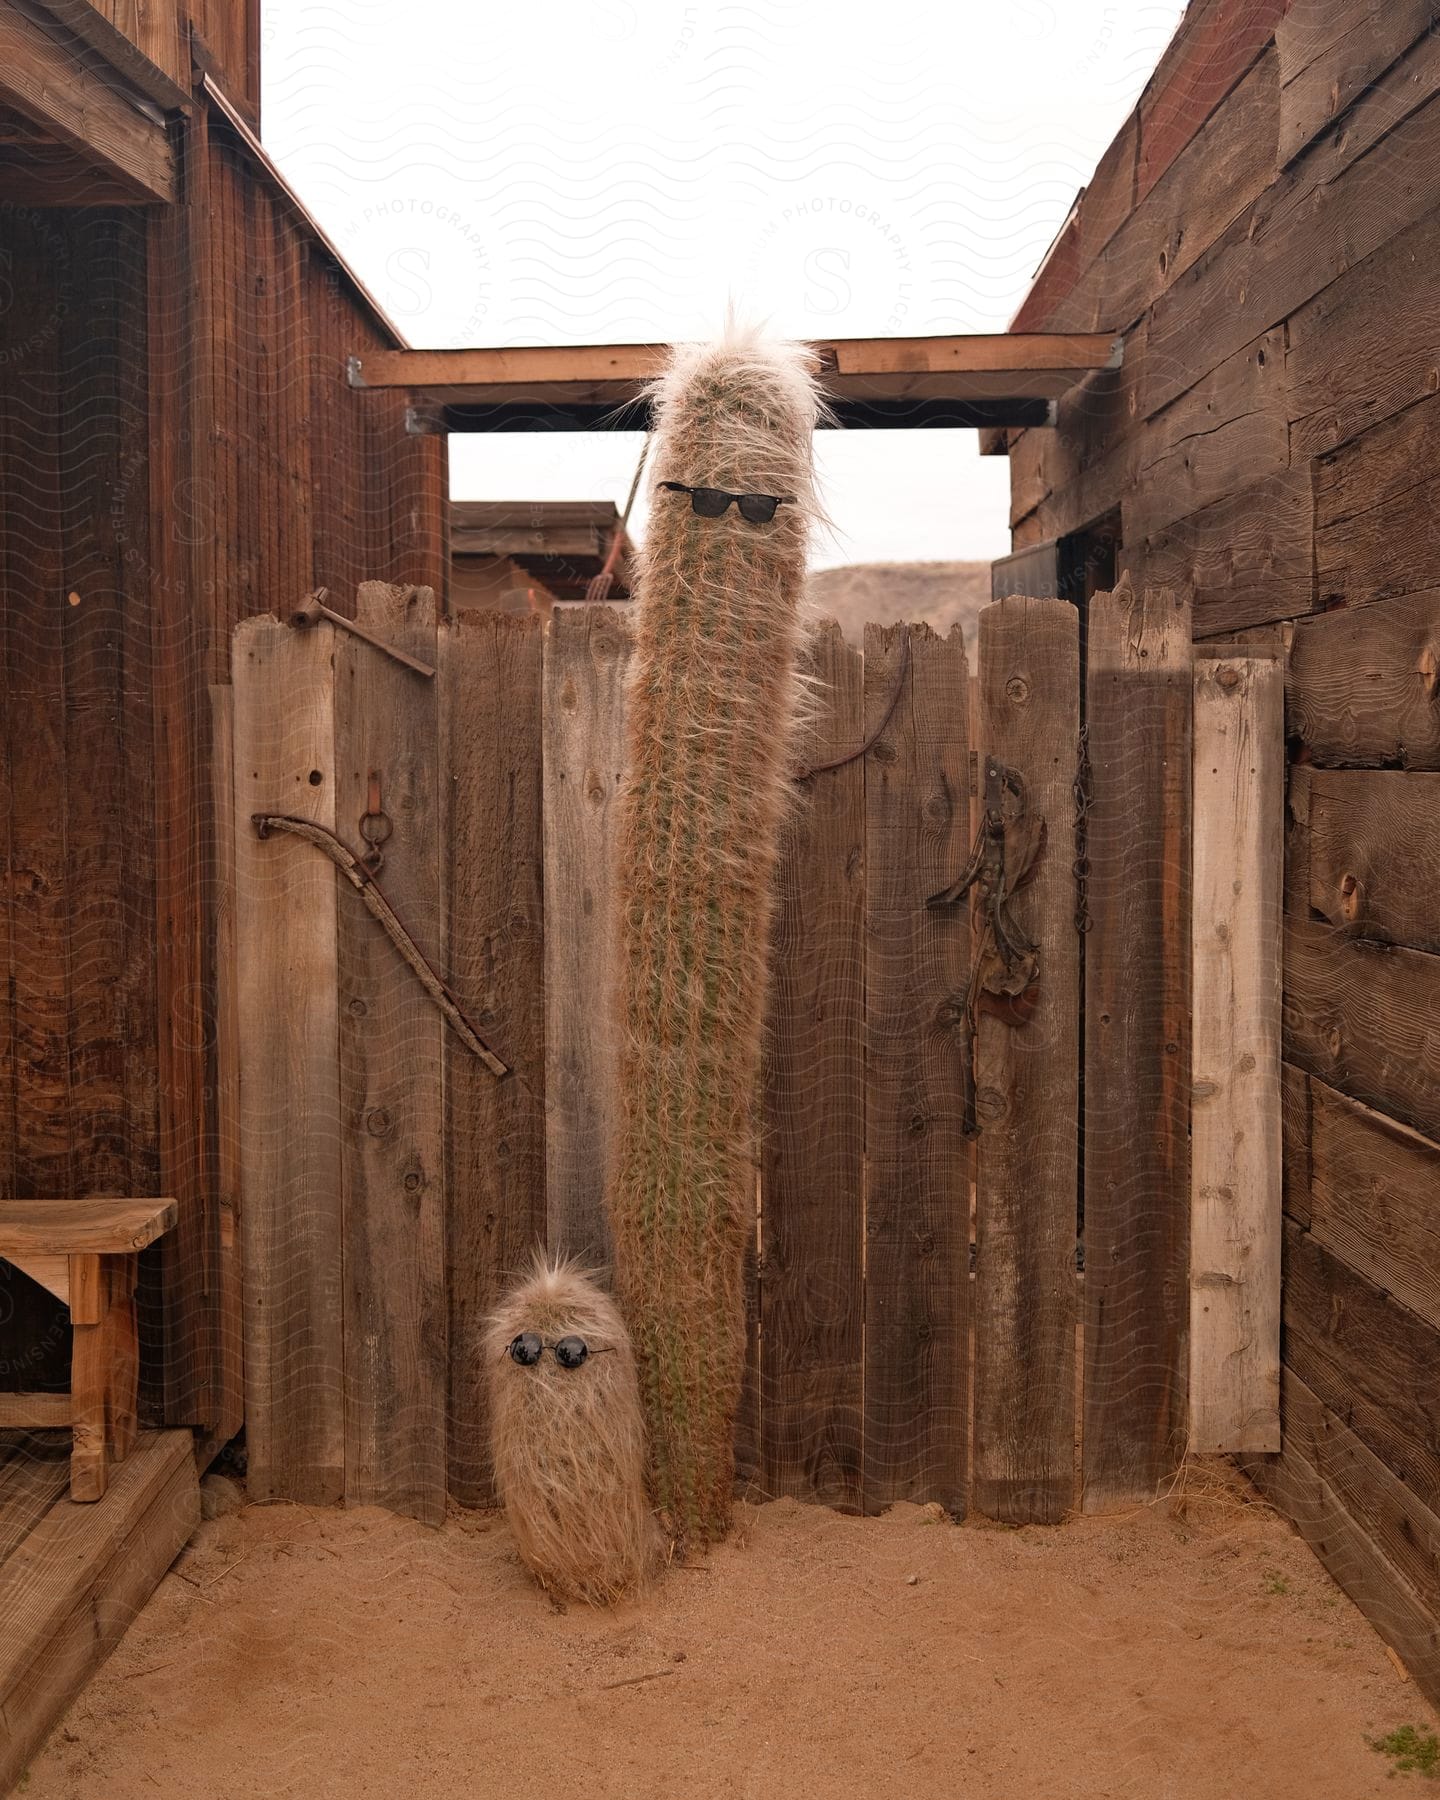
(714, 503)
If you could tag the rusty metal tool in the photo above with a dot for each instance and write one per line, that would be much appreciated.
(312, 609)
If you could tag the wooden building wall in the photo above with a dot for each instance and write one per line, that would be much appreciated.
(1262, 231)
(178, 447)
(79, 1106)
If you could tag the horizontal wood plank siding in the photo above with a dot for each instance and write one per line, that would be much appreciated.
(1374, 1198)
(1373, 860)
(1361, 1015)
(1294, 498)
(1377, 510)
(1372, 1361)
(1362, 684)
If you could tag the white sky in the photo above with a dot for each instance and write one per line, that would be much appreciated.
(610, 171)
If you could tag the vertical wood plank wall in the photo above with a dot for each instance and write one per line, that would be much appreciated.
(80, 1097)
(365, 1379)
(179, 450)
(1262, 233)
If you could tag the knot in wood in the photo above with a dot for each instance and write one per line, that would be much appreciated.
(1017, 689)
(991, 1105)
(377, 1121)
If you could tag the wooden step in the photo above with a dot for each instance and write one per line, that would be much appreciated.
(74, 1582)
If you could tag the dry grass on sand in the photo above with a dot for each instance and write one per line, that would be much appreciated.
(1194, 1650)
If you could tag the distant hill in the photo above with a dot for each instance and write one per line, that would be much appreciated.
(941, 593)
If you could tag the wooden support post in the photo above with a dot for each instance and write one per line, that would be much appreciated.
(1235, 1165)
(1027, 1089)
(90, 1376)
(1137, 1045)
(917, 834)
(586, 654)
(121, 1421)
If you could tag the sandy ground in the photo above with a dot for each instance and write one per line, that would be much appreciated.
(1183, 1652)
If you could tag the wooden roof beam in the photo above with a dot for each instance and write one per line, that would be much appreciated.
(71, 93)
(871, 383)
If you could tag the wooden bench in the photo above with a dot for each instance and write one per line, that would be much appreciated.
(85, 1253)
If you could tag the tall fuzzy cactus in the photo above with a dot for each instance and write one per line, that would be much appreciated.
(712, 706)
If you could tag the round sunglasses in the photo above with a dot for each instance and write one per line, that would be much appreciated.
(570, 1352)
(714, 503)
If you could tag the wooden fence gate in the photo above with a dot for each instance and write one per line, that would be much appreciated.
(1013, 1321)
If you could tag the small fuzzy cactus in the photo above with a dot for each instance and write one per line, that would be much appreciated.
(711, 715)
(568, 1436)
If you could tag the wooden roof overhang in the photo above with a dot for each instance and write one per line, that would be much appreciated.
(870, 383)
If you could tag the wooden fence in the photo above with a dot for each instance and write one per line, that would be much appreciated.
(905, 1274)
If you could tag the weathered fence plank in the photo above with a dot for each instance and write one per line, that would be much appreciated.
(812, 1295)
(1235, 1156)
(918, 1162)
(386, 761)
(1027, 1090)
(490, 674)
(586, 654)
(285, 952)
(1137, 1044)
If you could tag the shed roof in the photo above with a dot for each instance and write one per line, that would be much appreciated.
(563, 543)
